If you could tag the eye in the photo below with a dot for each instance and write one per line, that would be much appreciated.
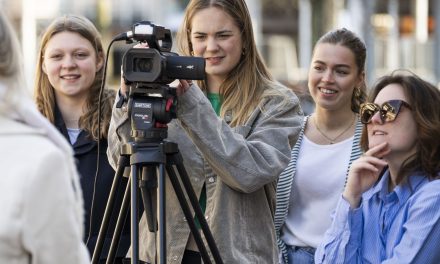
(342, 72)
(81, 55)
(318, 68)
(56, 56)
(200, 37)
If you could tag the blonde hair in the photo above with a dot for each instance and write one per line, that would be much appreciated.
(250, 80)
(44, 91)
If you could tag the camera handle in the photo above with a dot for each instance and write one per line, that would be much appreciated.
(163, 156)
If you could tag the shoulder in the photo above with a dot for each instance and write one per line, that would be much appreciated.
(279, 96)
(30, 143)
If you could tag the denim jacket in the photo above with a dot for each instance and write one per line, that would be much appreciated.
(239, 167)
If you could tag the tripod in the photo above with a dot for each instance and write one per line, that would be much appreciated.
(153, 156)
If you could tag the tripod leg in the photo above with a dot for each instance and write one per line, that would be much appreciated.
(148, 182)
(119, 224)
(162, 215)
(178, 161)
(122, 163)
(187, 212)
(134, 215)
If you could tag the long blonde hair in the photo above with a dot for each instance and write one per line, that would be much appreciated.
(44, 91)
(250, 80)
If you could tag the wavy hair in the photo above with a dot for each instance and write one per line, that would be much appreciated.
(250, 80)
(44, 91)
(348, 39)
(424, 99)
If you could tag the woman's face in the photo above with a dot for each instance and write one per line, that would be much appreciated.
(70, 63)
(333, 75)
(401, 134)
(217, 39)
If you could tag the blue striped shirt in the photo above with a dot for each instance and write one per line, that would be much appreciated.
(398, 227)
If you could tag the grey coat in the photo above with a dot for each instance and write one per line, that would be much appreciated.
(239, 166)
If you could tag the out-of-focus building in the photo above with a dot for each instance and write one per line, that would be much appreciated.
(398, 33)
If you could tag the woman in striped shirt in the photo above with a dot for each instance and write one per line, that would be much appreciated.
(310, 186)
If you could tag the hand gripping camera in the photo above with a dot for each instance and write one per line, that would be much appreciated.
(152, 103)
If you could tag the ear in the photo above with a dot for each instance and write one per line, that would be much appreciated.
(99, 61)
(361, 79)
(43, 66)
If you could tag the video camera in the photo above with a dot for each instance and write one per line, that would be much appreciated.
(157, 64)
(152, 103)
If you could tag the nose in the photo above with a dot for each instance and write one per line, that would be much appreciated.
(328, 76)
(376, 118)
(69, 62)
(211, 44)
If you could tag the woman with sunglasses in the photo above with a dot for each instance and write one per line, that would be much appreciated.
(389, 209)
(309, 188)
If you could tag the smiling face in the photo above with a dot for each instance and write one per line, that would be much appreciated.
(401, 134)
(70, 63)
(215, 37)
(333, 75)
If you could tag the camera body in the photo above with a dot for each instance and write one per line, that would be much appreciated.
(152, 104)
(157, 64)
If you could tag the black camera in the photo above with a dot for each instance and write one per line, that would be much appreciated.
(157, 64)
(152, 104)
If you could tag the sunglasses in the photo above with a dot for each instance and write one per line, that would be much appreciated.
(388, 111)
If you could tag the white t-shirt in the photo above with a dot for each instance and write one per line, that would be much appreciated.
(318, 183)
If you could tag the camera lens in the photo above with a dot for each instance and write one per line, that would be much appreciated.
(142, 64)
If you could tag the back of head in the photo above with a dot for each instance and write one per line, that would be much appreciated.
(11, 74)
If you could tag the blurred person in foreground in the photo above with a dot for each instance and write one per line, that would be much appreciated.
(40, 195)
(234, 129)
(68, 80)
(388, 212)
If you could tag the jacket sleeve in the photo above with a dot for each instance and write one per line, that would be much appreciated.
(342, 241)
(246, 157)
(119, 132)
(52, 223)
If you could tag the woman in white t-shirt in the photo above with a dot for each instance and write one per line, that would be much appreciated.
(309, 187)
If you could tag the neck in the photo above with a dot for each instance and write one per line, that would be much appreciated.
(395, 161)
(71, 109)
(214, 84)
(333, 120)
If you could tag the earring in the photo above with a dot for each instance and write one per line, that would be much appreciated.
(243, 52)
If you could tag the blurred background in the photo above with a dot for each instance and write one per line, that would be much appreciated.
(398, 33)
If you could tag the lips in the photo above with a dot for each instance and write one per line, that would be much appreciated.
(378, 133)
(327, 91)
(70, 76)
(214, 60)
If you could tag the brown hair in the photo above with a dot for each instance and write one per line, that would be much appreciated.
(424, 99)
(348, 39)
(250, 80)
(44, 92)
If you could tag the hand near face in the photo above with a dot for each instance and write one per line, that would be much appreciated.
(364, 172)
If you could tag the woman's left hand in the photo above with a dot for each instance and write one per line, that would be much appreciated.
(183, 86)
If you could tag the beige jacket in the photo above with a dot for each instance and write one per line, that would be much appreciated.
(239, 167)
(39, 215)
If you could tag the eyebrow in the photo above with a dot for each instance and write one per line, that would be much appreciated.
(219, 32)
(337, 65)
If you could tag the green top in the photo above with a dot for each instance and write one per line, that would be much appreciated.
(216, 103)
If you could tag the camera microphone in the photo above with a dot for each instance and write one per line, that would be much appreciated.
(124, 36)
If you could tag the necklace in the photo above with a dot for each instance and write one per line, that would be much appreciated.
(332, 140)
